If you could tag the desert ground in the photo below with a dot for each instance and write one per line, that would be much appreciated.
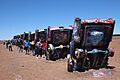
(18, 66)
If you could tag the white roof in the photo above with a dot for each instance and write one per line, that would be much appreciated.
(32, 32)
(58, 27)
(41, 30)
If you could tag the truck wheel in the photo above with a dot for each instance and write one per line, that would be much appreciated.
(70, 67)
(47, 56)
(87, 64)
(104, 63)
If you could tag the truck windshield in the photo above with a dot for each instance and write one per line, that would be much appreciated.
(97, 34)
(60, 37)
(42, 35)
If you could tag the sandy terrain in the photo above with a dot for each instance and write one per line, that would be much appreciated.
(18, 66)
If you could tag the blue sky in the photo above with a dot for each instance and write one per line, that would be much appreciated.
(19, 16)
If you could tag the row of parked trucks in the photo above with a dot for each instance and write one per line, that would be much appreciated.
(85, 44)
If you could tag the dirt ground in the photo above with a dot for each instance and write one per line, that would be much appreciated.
(18, 66)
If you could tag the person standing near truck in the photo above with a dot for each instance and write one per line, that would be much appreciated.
(26, 46)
